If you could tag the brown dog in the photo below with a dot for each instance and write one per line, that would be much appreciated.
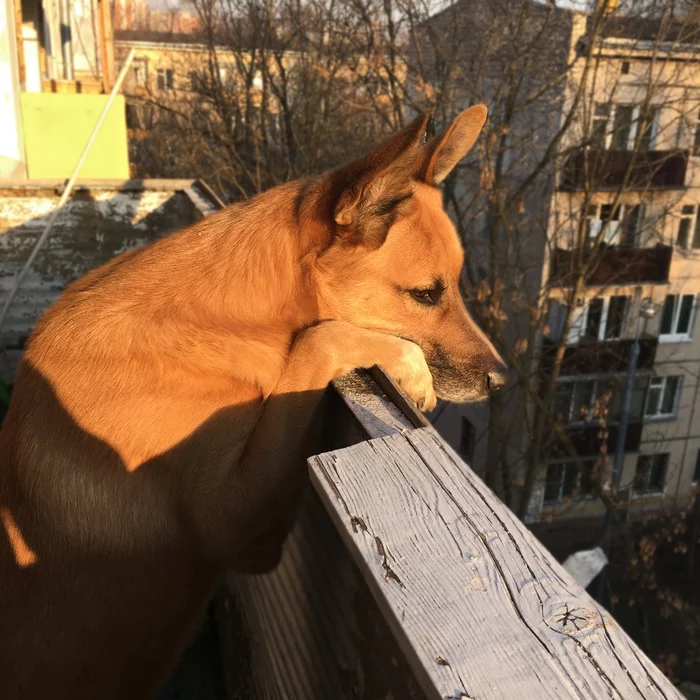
(158, 426)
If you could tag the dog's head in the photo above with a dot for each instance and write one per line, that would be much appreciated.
(395, 261)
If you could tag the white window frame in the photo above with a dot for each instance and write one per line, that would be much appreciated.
(560, 497)
(614, 227)
(648, 494)
(679, 337)
(695, 151)
(661, 383)
(578, 419)
(164, 73)
(140, 72)
(692, 218)
(634, 125)
(654, 126)
(595, 118)
(580, 321)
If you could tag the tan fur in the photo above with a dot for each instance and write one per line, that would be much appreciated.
(162, 411)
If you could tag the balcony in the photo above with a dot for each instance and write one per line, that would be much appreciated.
(597, 169)
(404, 575)
(612, 266)
(590, 440)
(392, 587)
(591, 357)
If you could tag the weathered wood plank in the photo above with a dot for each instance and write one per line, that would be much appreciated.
(314, 628)
(478, 607)
(371, 408)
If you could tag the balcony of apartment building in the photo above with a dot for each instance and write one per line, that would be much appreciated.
(587, 409)
(615, 250)
(54, 83)
(625, 150)
(590, 356)
(592, 374)
(611, 265)
(596, 169)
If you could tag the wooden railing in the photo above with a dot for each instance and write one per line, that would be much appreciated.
(406, 577)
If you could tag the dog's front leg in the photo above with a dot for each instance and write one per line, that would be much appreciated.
(263, 489)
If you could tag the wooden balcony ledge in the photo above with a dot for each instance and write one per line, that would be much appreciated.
(406, 577)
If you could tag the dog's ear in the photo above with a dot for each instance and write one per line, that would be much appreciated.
(445, 150)
(368, 192)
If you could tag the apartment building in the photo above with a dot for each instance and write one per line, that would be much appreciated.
(643, 202)
(617, 259)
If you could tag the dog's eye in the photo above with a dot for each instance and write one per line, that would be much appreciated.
(427, 296)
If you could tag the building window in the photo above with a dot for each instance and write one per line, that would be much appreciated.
(618, 126)
(650, 476)
(605, 318)
(696, 144)
(677, 318)
(617, 311)
(599, 132)
(567, 480)
(696, 472)
(196, 81)
(573, 401)
(648, 126)
(662, 397)
(621, 225)
(602, 318)
(134, 118)
(594, 318)
(689, 222)
(140, 72)
(623, 128)
(582, 400)
(625, 67)
(165, 78)
(467, 441)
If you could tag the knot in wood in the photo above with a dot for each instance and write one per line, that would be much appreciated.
(570, 619)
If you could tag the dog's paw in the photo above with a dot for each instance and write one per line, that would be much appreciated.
(410, 370)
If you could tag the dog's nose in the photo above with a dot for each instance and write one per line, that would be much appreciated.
(496, 379)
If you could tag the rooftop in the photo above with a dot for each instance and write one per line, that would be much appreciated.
(647, 29)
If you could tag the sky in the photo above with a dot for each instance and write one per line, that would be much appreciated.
(174, 4)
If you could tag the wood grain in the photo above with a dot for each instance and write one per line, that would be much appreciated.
(371, 408)
(479, 608)
(313, 627)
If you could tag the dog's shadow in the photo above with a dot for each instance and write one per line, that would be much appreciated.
(79, 526)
